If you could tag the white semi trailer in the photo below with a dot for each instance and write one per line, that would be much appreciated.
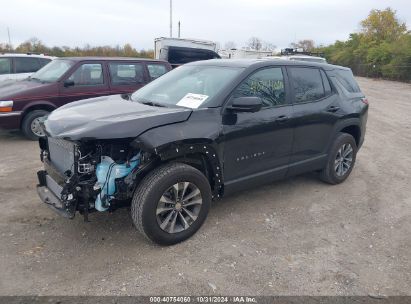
(162, 45)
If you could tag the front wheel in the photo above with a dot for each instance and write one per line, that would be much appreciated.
(341, 159)
(31, 124)
(171, 203)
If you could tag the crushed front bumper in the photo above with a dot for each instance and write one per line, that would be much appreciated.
(49, 192)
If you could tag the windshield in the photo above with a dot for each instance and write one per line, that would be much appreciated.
(53, 71)
(188, 86)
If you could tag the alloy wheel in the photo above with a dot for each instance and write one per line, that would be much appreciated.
(343, 160)
(179, 207)
(36, 127)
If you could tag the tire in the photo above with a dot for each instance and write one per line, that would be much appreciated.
(150, 194)
(331, 174)
(29, 118)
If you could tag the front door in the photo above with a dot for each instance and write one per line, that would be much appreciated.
(87, 81)
(257, 146)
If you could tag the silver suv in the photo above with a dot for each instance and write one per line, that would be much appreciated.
(21, 66)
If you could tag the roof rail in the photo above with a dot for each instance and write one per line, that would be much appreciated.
(295, 51)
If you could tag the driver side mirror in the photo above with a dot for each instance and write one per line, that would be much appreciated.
(246, 104)
(68, 83)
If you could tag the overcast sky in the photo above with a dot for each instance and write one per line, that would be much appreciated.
(112, 22)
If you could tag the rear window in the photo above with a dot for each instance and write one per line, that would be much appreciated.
(307, 84)
(5, 66)
(26, 65)
(346, 78)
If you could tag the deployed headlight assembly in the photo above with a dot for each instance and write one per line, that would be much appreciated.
(6, 106)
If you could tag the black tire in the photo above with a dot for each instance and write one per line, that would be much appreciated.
(151, 189)
(329, 173)
(27, 121)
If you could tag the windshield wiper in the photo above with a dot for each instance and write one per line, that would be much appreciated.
(154, 104)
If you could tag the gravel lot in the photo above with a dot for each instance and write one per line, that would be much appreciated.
(295, 237)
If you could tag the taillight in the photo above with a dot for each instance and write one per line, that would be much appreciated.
(364, 100)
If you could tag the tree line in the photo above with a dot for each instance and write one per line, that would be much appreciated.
(35, 45)
(382, 48)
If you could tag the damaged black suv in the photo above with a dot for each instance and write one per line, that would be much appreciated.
(202, 131)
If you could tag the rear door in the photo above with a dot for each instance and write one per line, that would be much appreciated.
(315, 112)
(87, 80)
(126, 77)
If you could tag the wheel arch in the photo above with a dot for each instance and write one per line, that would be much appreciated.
(200, 154)
(40, 105)
(354, 130)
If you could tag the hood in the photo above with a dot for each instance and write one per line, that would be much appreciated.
(109, 117)
(16, 89)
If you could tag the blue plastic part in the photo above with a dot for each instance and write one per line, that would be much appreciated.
(107, 171)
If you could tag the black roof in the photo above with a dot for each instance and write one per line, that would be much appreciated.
(247, 63)
(95, 58)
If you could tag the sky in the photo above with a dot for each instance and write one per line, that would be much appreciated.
(138, 22)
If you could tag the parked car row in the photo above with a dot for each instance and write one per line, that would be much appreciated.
(25, 103)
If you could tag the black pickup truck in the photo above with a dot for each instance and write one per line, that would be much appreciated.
(201, 131)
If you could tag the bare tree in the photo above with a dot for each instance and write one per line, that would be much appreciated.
(255, 43)
(230, 45)
(268, 46)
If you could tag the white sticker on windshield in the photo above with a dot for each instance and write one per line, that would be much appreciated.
(192, 100)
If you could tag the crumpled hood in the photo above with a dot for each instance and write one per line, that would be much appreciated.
(109, 117)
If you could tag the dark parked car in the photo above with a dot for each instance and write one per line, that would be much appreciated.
(23, 104)
(177, 55)
(204, 130)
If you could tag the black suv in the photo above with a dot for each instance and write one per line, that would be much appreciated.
(202, 131)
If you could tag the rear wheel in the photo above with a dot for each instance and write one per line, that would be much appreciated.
(171, 203)
(31, 124)
(341, 159)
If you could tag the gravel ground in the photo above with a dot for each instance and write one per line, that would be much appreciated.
(294, 237)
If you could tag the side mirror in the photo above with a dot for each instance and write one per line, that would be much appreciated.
(246, 104)
(68, 83)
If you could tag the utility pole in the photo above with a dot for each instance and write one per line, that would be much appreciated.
(8, 33)
(179, 28)
(171, 18)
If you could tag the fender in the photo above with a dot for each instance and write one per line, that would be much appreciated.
(38, 103)
(199, 135)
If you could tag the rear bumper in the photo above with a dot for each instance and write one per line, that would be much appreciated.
(10, 120)
(49, 192)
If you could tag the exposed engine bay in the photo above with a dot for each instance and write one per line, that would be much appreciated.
(96, 175)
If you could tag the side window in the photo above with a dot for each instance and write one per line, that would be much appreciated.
(126, 73)
(5, 66)
(26, 65)
(88, 74)
(326, 83)
(155, 70)
(268, 84)
(307, 84)
(346, 78)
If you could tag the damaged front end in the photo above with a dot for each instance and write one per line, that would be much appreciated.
(88, 175)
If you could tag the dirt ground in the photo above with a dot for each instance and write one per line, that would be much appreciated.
(295, 237)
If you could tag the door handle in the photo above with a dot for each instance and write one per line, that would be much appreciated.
(282, 118)
(333, 109)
